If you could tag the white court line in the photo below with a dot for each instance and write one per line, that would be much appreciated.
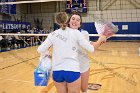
(25, 81)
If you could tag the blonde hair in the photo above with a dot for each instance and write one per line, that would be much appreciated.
(61, 19)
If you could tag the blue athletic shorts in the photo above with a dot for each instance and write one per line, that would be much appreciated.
(68, 76)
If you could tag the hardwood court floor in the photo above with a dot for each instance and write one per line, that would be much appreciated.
(116, 66)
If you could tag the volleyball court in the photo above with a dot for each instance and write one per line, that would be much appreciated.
(115, 66)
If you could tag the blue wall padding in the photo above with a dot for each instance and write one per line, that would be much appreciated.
(133, 28)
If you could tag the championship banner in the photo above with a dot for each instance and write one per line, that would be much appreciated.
(8, 8)
(76, 5)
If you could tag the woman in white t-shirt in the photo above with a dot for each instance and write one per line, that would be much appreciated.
(75, 22)
(65, 64)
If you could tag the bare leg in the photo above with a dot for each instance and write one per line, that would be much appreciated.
(84, 81)
(74, 87)
(61, 87)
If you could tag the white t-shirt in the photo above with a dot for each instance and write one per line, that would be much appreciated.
(65, 48)
(82, 52)
(82, 55)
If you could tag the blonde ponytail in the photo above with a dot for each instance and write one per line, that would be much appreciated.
(61, 19)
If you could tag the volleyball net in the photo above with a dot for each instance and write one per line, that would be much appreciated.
(16, 41)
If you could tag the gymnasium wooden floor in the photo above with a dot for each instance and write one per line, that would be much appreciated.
(116, 66)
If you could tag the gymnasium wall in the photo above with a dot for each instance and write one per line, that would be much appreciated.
(11, 17)
(124, 28)
(121, 12)
(118, 11)
(43, 11)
